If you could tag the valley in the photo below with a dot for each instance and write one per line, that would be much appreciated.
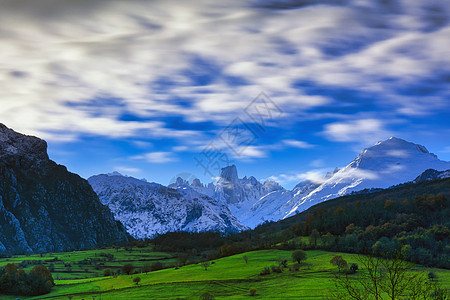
(225, 278)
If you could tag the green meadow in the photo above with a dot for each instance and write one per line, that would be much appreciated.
(225, 278)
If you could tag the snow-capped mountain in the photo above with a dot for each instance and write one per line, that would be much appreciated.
(234, 203)
(251, 201)
(387, 163)
(147, 209)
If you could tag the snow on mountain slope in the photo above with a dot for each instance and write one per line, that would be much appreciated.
(251, 201)
(147, 209)
(385, 164)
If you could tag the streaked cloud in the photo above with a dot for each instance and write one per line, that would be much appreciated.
(298, 144)
(158, 157)
(365, 131)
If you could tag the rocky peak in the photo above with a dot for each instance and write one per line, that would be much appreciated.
(23, 151)
(229, 174)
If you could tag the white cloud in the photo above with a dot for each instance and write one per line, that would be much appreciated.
(298, 144)
(363, 131)
(127, 170)
(157, 157)
(82, 51)
(316, 176)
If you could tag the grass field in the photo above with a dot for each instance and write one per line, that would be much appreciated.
(91, 263)
(226, 278)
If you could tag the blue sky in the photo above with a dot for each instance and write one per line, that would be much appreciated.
(148, 88)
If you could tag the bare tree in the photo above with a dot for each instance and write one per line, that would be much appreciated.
(385, 278)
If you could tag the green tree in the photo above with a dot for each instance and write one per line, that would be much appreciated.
(127, 269)
(338, 261)
(107, 272)
(314, 238)
(205, 265)
(136, 280)
(182, 258)
(299, 256)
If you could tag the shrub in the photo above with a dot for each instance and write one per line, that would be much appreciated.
(276, 269)
(295, 267)
(207, 296)
(265, 271)
(353, 268)
(245, 258)
(252, 292)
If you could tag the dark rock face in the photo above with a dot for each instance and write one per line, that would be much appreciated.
(43, 207)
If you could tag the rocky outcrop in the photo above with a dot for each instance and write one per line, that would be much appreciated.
(43, 207)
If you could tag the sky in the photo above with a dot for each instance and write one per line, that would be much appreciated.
(285, 90)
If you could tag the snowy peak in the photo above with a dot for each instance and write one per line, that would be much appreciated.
(147, 209)
(385, 164)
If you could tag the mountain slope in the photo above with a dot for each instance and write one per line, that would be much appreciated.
(432, 174)
(45, 208)
(385, 164)
(147, 209)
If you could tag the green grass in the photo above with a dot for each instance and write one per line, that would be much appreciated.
(138, 257)
(227, 278)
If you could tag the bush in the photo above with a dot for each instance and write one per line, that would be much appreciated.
(136, 280)
(265, 271)
(295, 267)
(252, 292)
(207, 296)
(353, 268)
(276, 269)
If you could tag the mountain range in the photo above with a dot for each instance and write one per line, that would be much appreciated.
(43, 207)
(234, 204)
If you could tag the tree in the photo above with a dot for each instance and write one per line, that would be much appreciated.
(182, 258)
(156, 266)
(107, 272)
(127, 269)
(146, 268)
(386, 279)
(245, 258)
(205, 265)
(136, 280)
(338, 261)
(298, 256)
(252, 291)
(314, 237)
